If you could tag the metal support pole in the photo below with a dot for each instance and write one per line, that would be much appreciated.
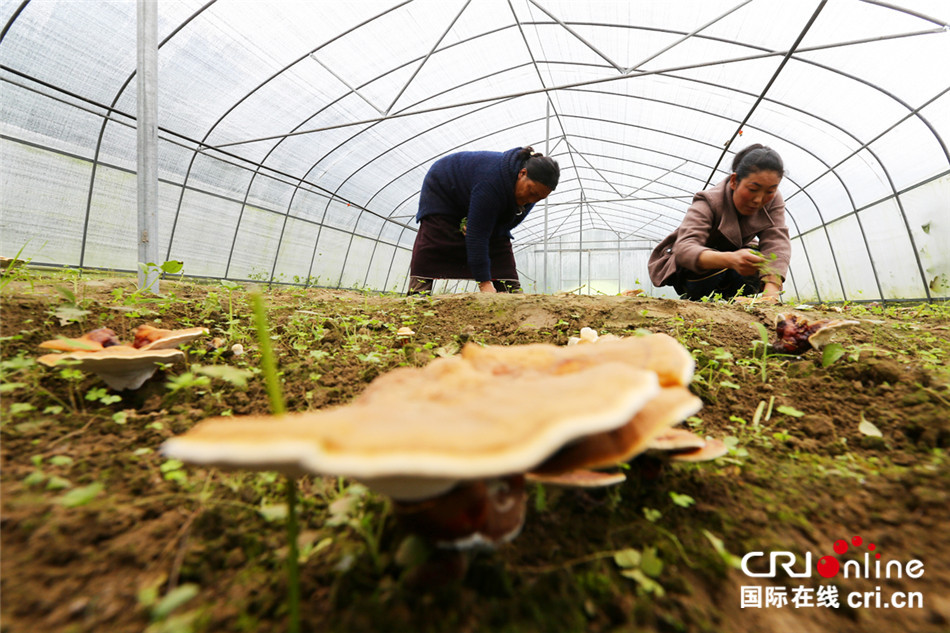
(580, 243)
(147, 141)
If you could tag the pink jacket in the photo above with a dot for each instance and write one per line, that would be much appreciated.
(712, 222)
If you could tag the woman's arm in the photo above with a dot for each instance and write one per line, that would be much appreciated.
(482, 216)
(690, 247)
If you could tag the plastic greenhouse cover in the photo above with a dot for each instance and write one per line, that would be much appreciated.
(294, 136)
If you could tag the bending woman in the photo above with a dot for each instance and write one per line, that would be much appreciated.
(468, 205)
(717, 247)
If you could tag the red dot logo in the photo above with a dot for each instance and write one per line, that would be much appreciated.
(841, 546)
(856, 540)
(827, 566)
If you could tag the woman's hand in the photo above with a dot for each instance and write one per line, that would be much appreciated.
(743, 261)
(486, 286)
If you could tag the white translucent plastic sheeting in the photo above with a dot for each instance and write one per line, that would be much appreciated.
(294, 136)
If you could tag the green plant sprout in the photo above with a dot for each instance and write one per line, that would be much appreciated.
(171, 267)
(760, 349)
(230, 286)
(101, 394)
(277, 406)
(16, 270)
(643, 567)
(71, 311)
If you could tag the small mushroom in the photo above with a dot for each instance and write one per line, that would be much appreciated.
(149, 337)
(580, 478)
(403, 335)
(588, 335)
(9, 263)
(90, 341)
(797, 334)
(237, 349)
(120, 366)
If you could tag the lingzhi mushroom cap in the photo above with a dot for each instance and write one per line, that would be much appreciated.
(149, 337)
(658, 353)
(676, 439)
(823, 335)
(416, 432)
(88, 342)
(120, 366)
(609, 448)
(712, 449)
(580, 478)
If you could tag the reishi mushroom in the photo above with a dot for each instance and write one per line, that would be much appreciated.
(120, 366)
(796, 334)
(90, 341)
(609, 448)
(395, 437)
(685, 446)
(578, 478)
(676, 439)
(403, 335)
(149, 337)
(712, 449)
(659, 353)
(452, 443)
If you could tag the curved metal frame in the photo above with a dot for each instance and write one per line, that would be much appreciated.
(571, 152)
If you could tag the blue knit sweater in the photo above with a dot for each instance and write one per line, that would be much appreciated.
(481, 187)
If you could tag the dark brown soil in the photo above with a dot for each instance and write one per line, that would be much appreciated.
(797, 480)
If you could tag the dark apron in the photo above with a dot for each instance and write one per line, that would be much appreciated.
(439, 252)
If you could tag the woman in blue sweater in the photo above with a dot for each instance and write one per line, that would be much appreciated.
(468, 205)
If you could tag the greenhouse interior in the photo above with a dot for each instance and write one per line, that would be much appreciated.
(292, 138)
(501, 316)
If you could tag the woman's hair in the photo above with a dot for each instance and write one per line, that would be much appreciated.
(756, 158)
(541, 168)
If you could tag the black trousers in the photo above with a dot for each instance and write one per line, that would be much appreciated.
(725, 282)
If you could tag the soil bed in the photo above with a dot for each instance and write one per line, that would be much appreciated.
(101, 533)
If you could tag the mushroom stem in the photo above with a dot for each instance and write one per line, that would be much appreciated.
(293, 571)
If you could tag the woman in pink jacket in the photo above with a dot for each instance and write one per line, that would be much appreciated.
(733, 240)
